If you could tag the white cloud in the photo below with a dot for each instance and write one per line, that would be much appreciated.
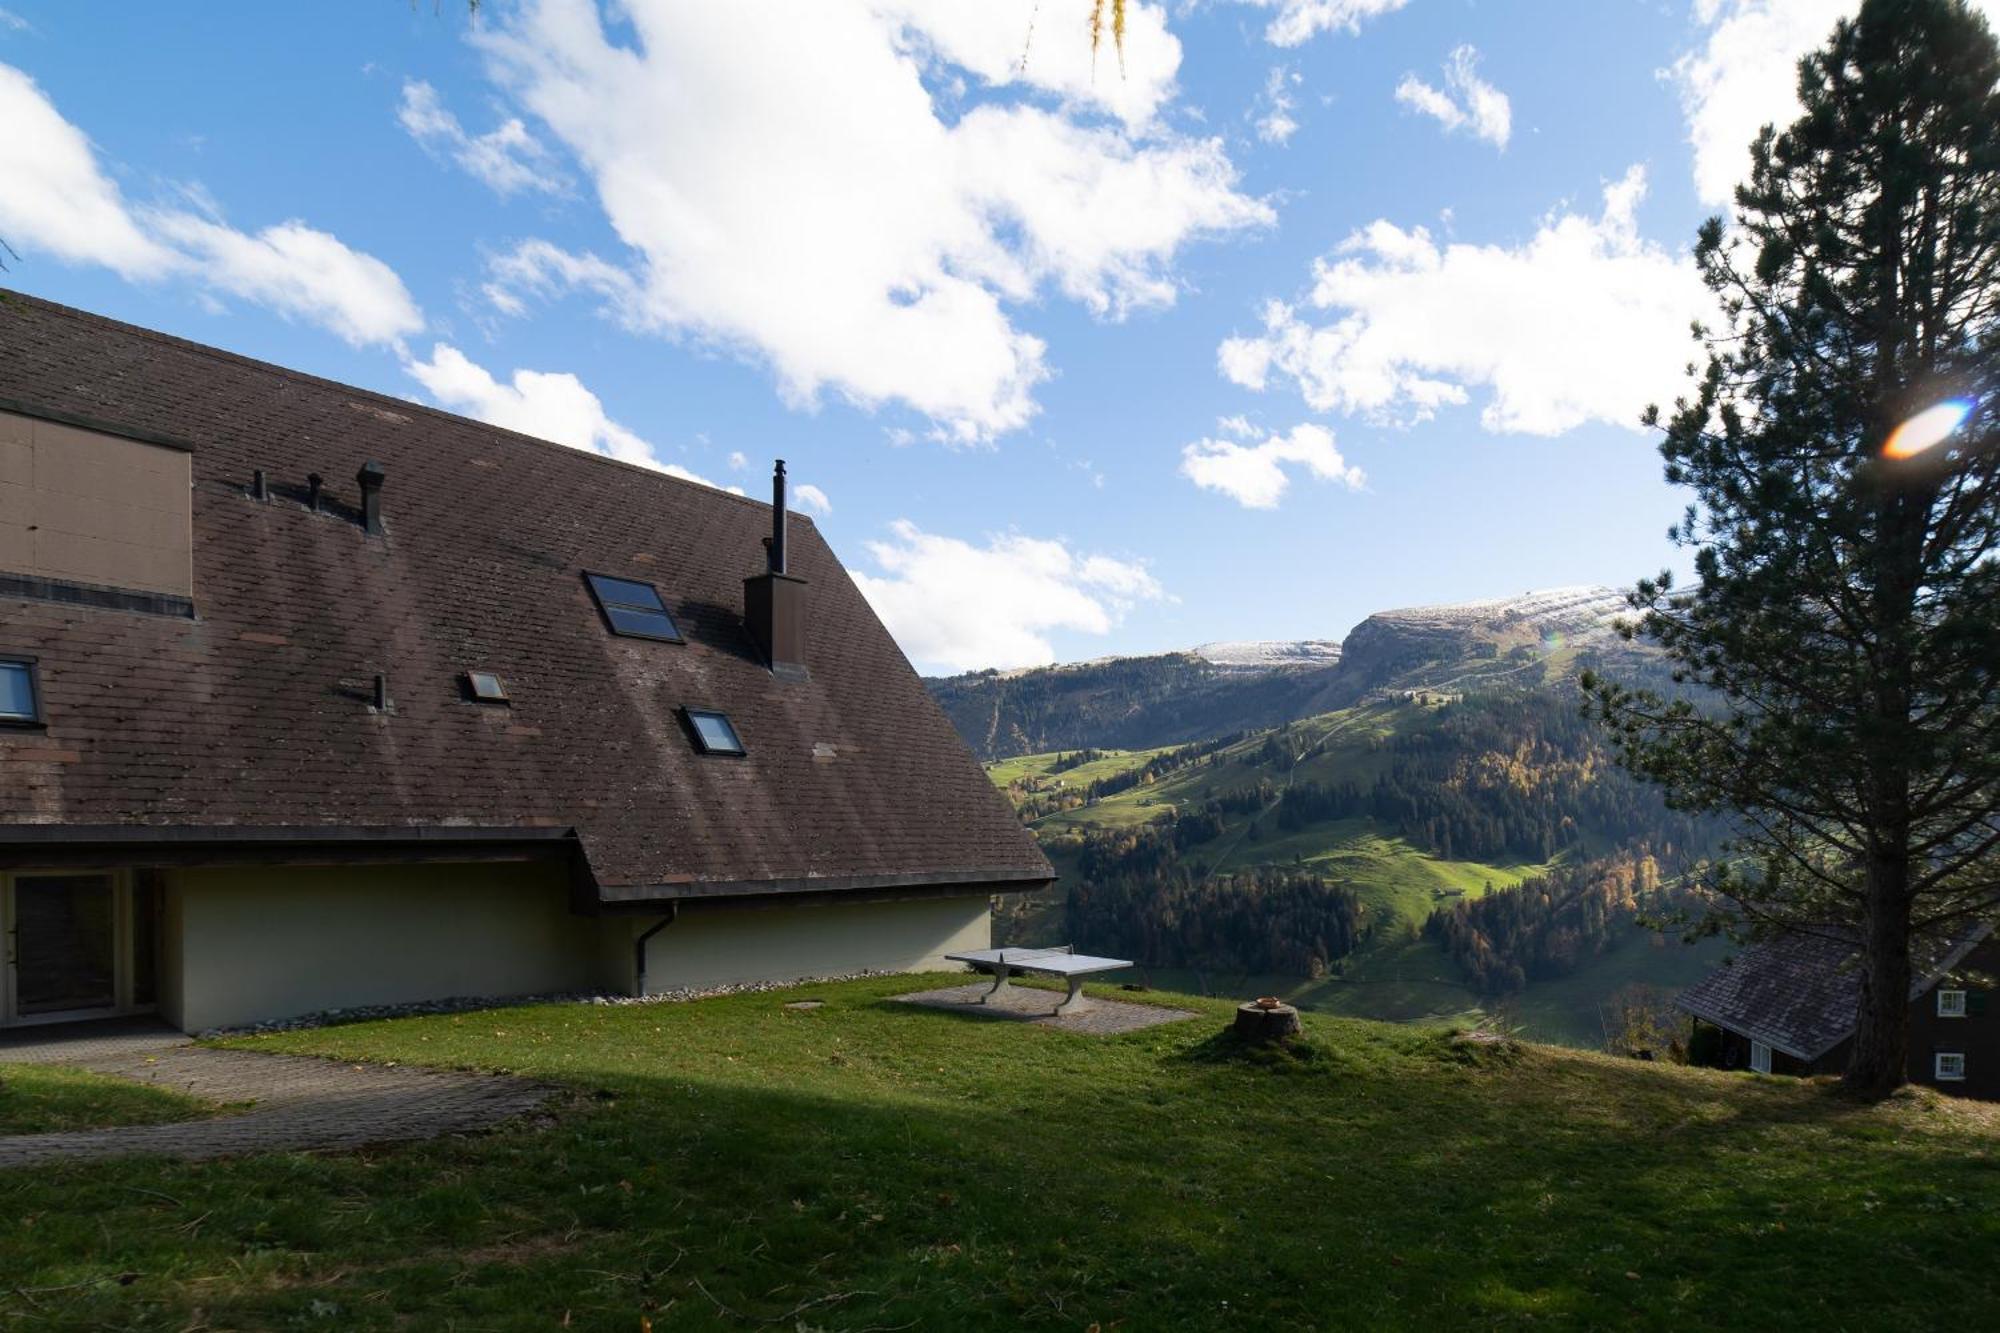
(738, 460)
(1586, 321)
(298, 271)
(812, 498)
(1045, 44)
(508, 159)
(791, 189)
(548, 405)
(1254, 475)
(1299, 21)
(13, 22)
(1466, 102)
(58, 202)
(56, 199)
(1277, 124)
(956, 606)
(1746, 77)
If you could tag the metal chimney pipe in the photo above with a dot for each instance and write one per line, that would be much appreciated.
(371, 477)
(778, 519)
(313, 482)
(260, 489)
(381, 693)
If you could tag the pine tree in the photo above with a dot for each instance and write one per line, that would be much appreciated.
(1847, 613)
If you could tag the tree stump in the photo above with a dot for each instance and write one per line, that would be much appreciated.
(1256, 1022)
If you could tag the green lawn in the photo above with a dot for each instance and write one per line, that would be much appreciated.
(733, 1164)
(40, 1099)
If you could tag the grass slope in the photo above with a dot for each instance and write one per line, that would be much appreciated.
(41, 1099)
(732, 1164)
(1397, 976)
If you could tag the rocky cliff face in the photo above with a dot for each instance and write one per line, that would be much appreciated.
(1534, 626)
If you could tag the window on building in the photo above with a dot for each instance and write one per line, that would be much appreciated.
(20, 697)
(1951, 1004)
(1760, 1056)
(486, 687)
(1950, 1066)
(713, 732)
(632, 608)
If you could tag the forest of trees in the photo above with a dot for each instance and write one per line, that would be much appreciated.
(1508, 778)
(1502, 778)
(1547, 926)
(1136, 899)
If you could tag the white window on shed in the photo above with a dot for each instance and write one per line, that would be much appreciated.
(1949, 1066)
(1951, 1004)
(1760, 1056)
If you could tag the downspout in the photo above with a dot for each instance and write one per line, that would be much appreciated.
(639, 948)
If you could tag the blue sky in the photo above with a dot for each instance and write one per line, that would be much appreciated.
(1321, 307)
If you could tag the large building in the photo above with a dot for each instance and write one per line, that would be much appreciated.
(313, 698)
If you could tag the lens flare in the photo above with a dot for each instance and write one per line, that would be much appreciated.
(1929, 427)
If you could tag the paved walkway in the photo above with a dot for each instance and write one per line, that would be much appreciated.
(1103, 1018)
(296, 1102)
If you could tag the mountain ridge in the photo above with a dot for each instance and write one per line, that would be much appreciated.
(1170, 698)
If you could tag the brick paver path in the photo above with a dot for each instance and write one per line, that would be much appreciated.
(297, 1103)
(1104, 1018)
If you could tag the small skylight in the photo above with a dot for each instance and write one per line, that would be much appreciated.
(486, 687)
(713, 733)
(19, 701)
(633, 609)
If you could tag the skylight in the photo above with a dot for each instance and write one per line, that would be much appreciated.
(633, 609)
(486, 687)
(713, 732)
(19, 701)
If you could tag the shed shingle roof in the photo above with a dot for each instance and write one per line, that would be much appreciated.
(253, 715)
(1798, 992)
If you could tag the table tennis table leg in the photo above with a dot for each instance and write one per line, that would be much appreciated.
(1077, 1002)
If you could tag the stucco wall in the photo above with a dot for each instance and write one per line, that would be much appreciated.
(719, 944)
(258, 943)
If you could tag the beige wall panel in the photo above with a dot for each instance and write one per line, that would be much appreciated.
(716, 944)
(17, 544)
(94, 508)
(17, 458)
(260, 943)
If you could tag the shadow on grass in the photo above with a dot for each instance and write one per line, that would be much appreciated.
(838, 1170)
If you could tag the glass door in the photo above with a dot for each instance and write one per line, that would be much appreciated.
(63, 944)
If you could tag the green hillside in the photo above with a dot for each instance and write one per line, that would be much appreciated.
(867, 1165)
(1078, 801)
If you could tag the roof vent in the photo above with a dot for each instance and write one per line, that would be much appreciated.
(371, 477)
(260, 486)
(313, 484)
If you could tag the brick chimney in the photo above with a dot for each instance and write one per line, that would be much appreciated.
(774, 602)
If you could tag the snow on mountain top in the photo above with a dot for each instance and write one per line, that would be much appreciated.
(1269, 654)
(1578, 609)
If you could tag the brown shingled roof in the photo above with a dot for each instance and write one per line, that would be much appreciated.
(1798, 992)
(251, 719)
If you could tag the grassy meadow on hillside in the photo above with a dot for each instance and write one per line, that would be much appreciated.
(734, 1164)
(1398, 972)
